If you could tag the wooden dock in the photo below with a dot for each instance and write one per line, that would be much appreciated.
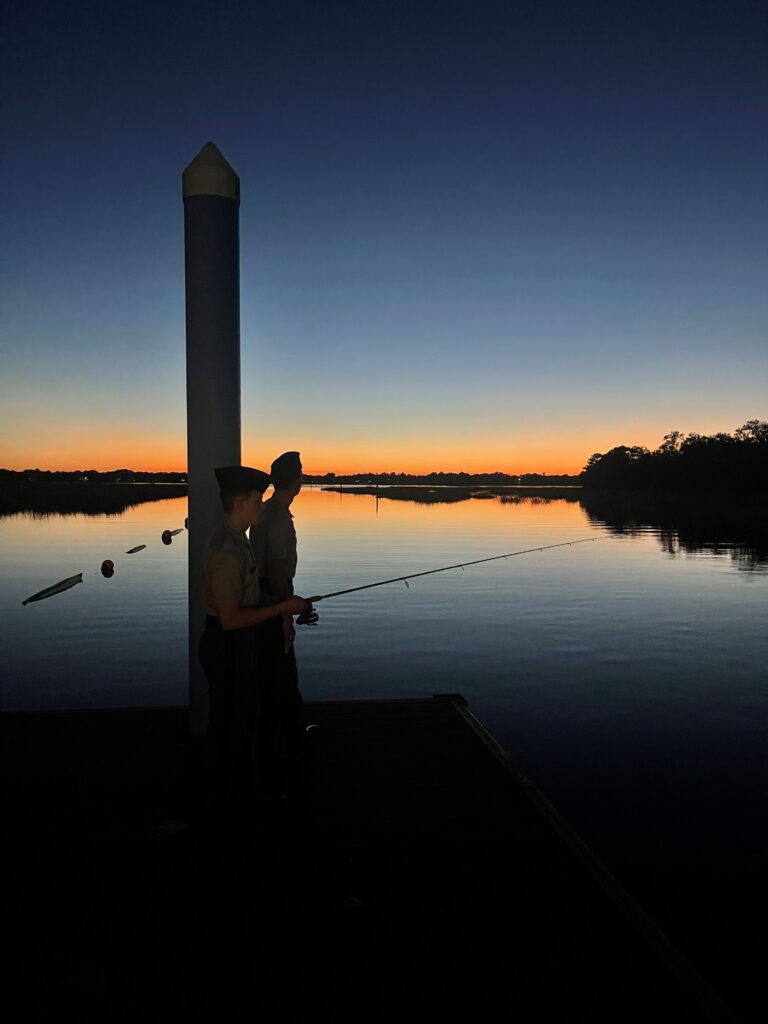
(416, 872)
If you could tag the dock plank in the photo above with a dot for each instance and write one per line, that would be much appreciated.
(415, 871)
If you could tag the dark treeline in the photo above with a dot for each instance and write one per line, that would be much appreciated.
(441, 479)
(65, 493)
(113, 476)
(685, 462)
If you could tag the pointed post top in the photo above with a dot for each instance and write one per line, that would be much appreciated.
(209, 174)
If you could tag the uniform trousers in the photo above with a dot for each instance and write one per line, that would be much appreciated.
(229, 661)
(280, 700)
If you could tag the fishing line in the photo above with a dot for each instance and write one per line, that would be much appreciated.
(308, 617)
(445, 568)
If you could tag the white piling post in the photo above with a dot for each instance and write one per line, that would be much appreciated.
(211, 191)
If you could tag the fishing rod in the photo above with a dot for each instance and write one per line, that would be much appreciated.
(445, 568)
(310, 616)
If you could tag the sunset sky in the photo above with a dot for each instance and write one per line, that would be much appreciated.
(474, 235)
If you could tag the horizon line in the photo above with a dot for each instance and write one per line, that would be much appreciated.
(367, 472)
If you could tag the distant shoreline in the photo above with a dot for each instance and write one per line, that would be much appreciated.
(433, 494)
(92, 497)
(433, 479)
(89, 476)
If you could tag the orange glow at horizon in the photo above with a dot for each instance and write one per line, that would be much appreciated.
(75, 447)
(172, 459)
(109, 450)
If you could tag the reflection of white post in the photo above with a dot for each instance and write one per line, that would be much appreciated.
(212, 276)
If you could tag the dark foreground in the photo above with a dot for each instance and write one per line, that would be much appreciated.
(413, 872)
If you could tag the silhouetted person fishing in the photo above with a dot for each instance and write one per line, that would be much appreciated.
(227, 649)
(273, 541)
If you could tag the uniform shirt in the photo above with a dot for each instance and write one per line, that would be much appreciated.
(230, 573)
(274, 539)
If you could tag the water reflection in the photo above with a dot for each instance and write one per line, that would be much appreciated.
(715, 525)
(730, 525)
(446, 495)
(42, 499)
(534, 499)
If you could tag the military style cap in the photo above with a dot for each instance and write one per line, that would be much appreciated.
(239, 479)
(287, 462)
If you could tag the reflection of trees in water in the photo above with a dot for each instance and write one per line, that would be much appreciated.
(533, 499)
(41, 500)
(732, 526)
(450, 495)
(421, 495)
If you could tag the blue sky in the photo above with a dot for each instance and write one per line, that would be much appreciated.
(473, 235)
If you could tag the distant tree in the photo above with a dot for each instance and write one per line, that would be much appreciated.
(687, 461)
(672, 443)
(753, 432)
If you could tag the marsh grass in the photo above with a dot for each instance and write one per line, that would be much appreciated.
(74, 497)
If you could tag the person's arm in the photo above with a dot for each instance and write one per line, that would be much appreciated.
(280, 535)
(233, 616)
(226, 594)
(277, 573)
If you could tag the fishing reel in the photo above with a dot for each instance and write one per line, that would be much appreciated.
(307, 618)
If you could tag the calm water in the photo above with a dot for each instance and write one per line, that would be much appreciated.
(627, 677)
